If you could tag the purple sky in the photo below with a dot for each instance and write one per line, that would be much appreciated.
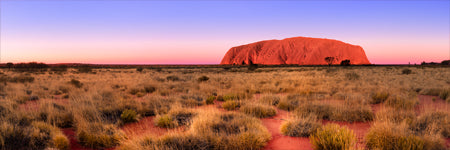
(201, 32)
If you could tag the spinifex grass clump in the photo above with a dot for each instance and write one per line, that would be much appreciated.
(98, 135)
(300, 126)
(210, 130)
(270, 100)
(386, 135)
(333, 137)
(37, 135)
(128, 116)
(258, 110)
(379, 97)
(433, 122)
(231, 105)
(176, 117)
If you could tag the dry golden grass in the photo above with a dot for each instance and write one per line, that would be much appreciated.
(96, 103)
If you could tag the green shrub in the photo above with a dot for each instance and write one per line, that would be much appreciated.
(139, 69)
(231, 97)
(300, 127)
(128, 116)
(98, 135)
(333, 137)
(210, 100)
(231, 105)
(165, 121)
(379, 97)
(258, 110)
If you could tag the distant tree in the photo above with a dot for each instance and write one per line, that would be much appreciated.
(445, 62)
(9, 65)
(345, 62)
(329, 60)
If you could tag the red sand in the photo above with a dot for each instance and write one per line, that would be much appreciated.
(279, 141)
(426, 103)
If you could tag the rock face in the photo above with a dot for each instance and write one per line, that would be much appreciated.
(297, 50)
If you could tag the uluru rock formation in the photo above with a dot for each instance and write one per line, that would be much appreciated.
(296, 50)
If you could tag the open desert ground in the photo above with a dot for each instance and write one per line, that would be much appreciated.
(321, 107)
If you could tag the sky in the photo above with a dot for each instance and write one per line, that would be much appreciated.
(201, 32)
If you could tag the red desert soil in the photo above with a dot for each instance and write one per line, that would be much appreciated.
(279, 141)
(74, 145)
(296, 50)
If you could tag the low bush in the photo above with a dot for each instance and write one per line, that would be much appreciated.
(288, 104)
(258, 110)
(76, 83)
(210, 100)
(61, 142)
(270, 100)
(433, 122)
(321, 111)
(395, 116)
(401, 102)
(300, 127)
(128, 116)
(98, 135)
(172, 78)
(231, 105)
(352, 113)
(37, 135)
(203, 79)
(352, 76)
(406, 71)
(333, 137)
(385, 135)
(165, 121)
(379, 97)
